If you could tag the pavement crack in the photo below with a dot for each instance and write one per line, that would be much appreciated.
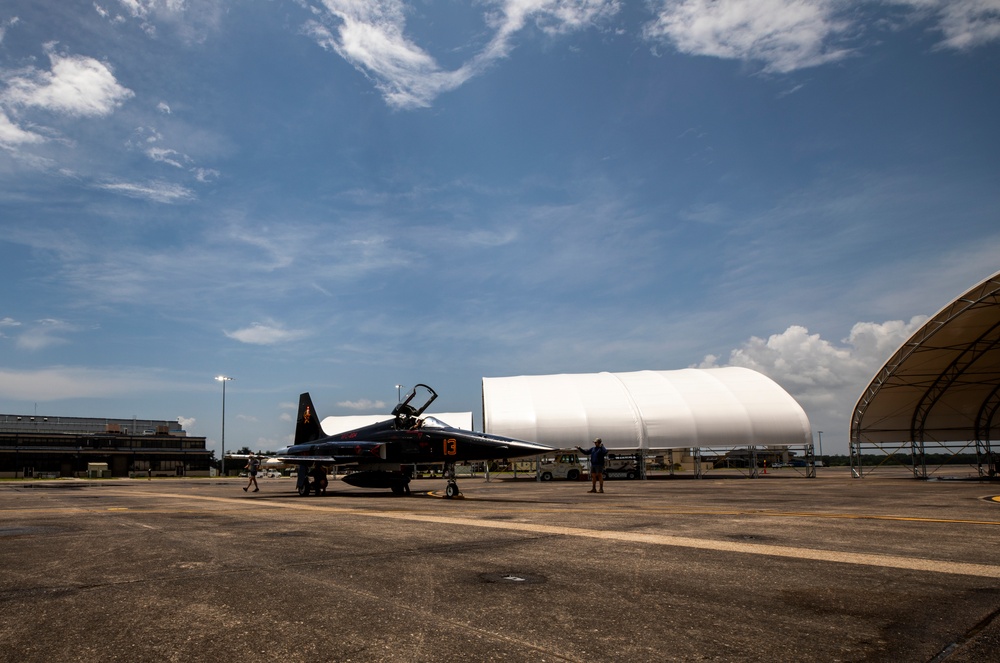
(968, 636)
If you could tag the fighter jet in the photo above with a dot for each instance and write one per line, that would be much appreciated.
(379, 454)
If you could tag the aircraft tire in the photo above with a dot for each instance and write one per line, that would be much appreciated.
(451, 490)
(304, 491)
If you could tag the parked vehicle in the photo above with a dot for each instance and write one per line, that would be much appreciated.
(620, 468)
(563, 466)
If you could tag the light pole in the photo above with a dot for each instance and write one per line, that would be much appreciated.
(223, 379)
(820, 444)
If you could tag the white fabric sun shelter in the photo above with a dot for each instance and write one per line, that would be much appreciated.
(341, 424)
(688, 408)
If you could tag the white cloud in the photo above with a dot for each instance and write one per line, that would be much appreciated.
(265, 334)
(44, 334)
(6, 24)
(157, 191)
(78, 86)
(825, 378)
(191, 20)
(784, 34)
(59, 382)
(12, 135)
(965, 24)
(186, 422)
(362, 404)
(372, 37)
(167, 156)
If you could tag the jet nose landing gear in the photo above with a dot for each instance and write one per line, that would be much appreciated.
(449, 473)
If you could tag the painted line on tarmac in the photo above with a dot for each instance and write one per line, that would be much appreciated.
(834, 556)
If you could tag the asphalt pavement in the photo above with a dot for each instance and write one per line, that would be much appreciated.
(672, 569)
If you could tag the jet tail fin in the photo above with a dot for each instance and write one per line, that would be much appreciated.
(307, 428)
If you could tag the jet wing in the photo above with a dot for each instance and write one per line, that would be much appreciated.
(322, 460)
(339, 454)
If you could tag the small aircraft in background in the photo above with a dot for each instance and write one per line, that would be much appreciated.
(377, 454)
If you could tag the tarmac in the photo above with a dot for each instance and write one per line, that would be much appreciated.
(885, 568)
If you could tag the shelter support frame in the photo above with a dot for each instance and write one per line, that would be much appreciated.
(913, 454)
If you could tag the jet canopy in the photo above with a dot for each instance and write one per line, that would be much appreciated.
(433, 422)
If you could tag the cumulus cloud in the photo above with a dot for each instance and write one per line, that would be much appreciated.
(75, 85)
(826, 378)
(270, 333)
(372, 37)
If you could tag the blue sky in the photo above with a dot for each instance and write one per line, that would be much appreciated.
(340, 196)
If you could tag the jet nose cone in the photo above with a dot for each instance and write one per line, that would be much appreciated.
(529, 448)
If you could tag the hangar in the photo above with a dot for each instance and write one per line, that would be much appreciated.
(645, 411)
(939, 391)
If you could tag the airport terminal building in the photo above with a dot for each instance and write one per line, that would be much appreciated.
(38, 446)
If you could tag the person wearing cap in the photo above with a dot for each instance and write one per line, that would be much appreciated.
(597, 454)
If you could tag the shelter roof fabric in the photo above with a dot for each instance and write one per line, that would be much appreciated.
(341, 424)
(646, 409)
(942, 384)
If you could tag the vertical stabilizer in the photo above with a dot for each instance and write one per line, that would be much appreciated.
(307, 428)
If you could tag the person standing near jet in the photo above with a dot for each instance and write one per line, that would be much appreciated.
(597, 455)
(252, 466)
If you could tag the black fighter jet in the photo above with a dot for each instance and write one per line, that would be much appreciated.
(378, 455)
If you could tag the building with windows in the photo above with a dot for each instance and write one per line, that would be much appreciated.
(39, 446)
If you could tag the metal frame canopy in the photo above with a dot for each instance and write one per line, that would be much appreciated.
(941, 387)
(689, 408)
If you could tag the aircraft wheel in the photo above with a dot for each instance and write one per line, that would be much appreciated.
(399, 489)
(451, 490)
(304, 490)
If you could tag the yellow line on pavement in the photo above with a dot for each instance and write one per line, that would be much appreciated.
(834, 556)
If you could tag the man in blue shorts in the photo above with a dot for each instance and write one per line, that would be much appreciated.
(597, 454)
